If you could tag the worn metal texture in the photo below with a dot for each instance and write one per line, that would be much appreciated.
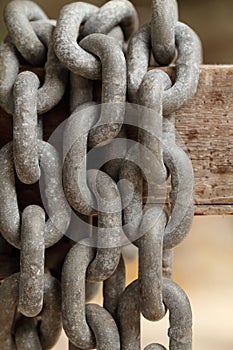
(151, 93)
(150, 247)
(81, 91)
(51, 92)
(189, 57)
(110, 15)
(104, 328)
(180, 317)
(167, 263)
(50, 316)
(73, 296)
(74, 153)
(9, 68)
(57, 207)
(137, 59)
(90, 207)
(113, 288)
(113, 87)
(150, 136)
(25, 121)
(132, 213)
(65, 41)
(163, 22)
(56, 75)
(109, 226)
(181, 196)
(26, 335)
(90, 323)
(17, 16)
(32, 261)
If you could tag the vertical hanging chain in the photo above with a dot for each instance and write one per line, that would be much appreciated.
(90, 44)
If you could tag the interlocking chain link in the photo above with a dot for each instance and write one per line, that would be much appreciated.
(105, 58)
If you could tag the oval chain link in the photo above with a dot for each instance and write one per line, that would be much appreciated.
(49, 318)
(18, 16)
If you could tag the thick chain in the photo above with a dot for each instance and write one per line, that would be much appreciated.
(88, 44)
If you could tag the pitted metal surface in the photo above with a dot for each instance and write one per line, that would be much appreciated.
(163, 22)
(110, 15)
(18, 15)
(95, 193)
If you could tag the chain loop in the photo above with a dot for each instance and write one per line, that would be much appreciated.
(155, 347)
(163, 23)
(18, 15)
(104, 328)
(180, 317)
(117, 34)
(76, 190)
(187, 66)
(9, 70)
(8, 296)
(56, 75)
(73, 296)
(151, 93)
(150, 264)
(65, 41)
(113, 87)
(113, 288)
(25, 149)
(78, 318)
(180, 168)
(137, 60)
(187, 69)
(109, 226)
(26, 335)
(31, 284)
(74, 175)
(110, 15)
(57, 208)
(49, 316)
(53, 88)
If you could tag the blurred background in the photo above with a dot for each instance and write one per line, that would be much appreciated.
(203, 263)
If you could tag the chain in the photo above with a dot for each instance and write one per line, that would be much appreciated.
(99, 203)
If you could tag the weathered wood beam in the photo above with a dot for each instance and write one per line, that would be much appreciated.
(205, 128)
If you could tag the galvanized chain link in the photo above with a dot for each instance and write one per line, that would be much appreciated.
(88, 44)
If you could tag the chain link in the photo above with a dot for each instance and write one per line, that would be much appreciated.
(49, 321)
(180, 317)
(106, 60)
(51, 92)
(18, 16)
(163, 22)
(110, 15)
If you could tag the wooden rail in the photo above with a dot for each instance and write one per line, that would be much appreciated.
(204, 129)
(205, 126)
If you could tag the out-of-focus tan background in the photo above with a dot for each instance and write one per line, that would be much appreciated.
(203, 263)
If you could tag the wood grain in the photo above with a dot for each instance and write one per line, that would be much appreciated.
(204, 129)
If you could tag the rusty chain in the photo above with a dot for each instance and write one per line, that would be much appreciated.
(46, 279)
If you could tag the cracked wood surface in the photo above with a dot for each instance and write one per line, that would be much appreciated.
(205, 126)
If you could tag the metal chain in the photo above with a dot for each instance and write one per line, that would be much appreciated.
(87, 45)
